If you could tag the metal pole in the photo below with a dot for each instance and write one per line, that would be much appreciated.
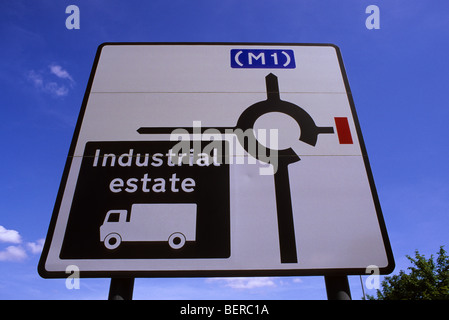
(121, 289)
(363, 288)
(337, 288)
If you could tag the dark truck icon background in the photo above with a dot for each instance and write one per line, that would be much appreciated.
(174, 223)
(148, 225)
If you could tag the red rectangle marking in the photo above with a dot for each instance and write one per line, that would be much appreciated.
(343, 131)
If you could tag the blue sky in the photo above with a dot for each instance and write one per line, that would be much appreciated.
(399, 76)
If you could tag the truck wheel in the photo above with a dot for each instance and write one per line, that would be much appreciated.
(112, 241)
(177, 240)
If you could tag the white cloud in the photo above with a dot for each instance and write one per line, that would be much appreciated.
(245, 282)
(18, 252)
(36, 247)
(10, 236)
(58, 87)
(60, 72)
(57, 90)
(36, 79)
(13, 253)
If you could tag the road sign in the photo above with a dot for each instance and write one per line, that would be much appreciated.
(198, 159)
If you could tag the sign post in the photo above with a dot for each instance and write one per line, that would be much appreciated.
(121, 289)
(337, 288)
(217, 159)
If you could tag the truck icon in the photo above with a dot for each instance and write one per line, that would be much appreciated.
(171, 222)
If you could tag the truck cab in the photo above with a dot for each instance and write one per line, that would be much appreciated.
(109, 229)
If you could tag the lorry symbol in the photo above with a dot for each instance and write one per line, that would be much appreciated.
(171, 222)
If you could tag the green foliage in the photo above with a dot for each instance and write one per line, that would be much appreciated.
(427, 279)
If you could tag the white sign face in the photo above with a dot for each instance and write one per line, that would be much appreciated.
(217, 159)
